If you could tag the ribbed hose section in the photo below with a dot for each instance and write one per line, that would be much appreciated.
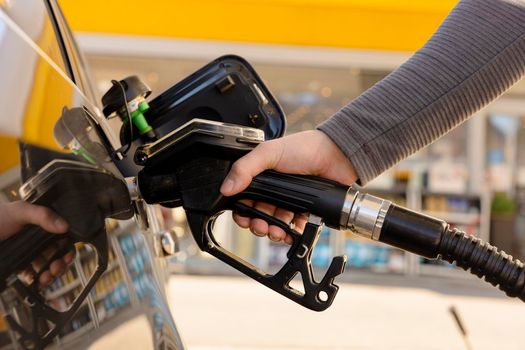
(484, 260)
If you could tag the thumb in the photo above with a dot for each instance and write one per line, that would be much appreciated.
(264, 156)
(25, 213)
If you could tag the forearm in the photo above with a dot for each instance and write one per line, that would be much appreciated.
(475, 55)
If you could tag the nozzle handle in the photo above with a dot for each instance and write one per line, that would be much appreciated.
(299, 194)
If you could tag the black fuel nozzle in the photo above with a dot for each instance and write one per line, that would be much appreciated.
(187, 168)
(196, 187)
(84, 195)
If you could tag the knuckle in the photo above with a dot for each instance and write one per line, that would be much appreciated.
(236, 165)
(242, 221)
(237, 168)
(259, 227)
(276, 232)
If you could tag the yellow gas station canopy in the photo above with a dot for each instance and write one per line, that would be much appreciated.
(400, 25)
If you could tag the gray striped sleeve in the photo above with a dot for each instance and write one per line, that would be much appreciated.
(477, 53)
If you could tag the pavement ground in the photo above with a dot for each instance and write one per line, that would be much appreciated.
(369, 312)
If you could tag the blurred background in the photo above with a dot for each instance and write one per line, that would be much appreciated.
(316, 56)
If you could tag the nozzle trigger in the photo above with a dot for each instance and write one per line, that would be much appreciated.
(317, 296)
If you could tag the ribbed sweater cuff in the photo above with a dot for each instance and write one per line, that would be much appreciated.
(365, 168)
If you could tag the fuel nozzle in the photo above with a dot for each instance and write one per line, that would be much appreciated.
(187, 167)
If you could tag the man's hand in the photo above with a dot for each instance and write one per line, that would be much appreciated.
(14, 216)
(304, 153)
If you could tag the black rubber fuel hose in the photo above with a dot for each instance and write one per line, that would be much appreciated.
(484, 260)
(433, 238)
